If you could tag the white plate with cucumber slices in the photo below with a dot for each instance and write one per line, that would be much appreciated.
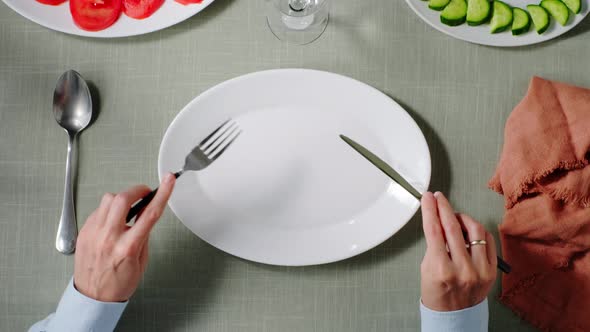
(506, 23)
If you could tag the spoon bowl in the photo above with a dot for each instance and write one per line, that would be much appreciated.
(72, 103)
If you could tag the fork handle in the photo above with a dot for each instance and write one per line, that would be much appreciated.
(139, 206)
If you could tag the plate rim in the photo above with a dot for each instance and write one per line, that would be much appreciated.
(309, 262)
(438, 27)
(100, 34)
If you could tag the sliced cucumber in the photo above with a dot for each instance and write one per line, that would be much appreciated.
(521, 22)
(438, 4)
(557, 9)
(455, 13)
(502, 17)
(574, 5)
(478, 11)
(540, 18)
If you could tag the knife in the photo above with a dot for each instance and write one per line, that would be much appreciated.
(395, 176)
(383, 166)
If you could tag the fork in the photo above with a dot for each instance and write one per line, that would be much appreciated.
(202, 155)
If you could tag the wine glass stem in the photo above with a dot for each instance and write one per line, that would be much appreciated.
(298, 5)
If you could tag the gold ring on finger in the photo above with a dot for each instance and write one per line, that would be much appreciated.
(476, 243)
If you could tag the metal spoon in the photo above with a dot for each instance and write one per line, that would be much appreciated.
(72, 107)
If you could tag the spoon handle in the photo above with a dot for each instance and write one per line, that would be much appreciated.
(67, 231)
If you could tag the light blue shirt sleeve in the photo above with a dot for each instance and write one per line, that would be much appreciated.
(79, 313)
(472, 319)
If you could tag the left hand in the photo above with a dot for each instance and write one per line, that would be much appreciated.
(111, 257)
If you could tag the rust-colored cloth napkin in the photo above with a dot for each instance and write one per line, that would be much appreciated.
(544, 176)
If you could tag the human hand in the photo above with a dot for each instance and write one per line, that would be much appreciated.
(111, 256)
(458, 278)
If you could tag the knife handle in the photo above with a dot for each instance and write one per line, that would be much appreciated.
(503, 266)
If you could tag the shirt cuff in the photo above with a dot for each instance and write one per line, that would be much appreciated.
(77, 312)
(472, 319)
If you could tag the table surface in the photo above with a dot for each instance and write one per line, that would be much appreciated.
(459, 93)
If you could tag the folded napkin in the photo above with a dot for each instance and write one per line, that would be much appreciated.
(544, 176)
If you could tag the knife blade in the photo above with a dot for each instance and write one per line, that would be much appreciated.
(383, 166)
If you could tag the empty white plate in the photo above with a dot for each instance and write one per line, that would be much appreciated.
(59, 18)
(481, 34)
(289, 191)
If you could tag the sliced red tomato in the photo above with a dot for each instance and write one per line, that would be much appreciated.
(51, 2)
(95, 15)
(188, 2)
(141, 8)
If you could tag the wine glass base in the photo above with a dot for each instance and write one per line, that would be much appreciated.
(299, 37)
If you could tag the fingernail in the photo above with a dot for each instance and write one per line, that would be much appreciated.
(438, 194)
(168, 178)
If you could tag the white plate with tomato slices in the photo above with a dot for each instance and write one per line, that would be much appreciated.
(107, 18)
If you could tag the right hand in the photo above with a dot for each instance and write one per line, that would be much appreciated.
(458, 278)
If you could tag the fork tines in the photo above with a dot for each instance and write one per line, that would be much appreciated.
(220, 139)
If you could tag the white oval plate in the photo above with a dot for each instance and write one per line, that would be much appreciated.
(59, 18)
(289, 191)
(481, 34)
